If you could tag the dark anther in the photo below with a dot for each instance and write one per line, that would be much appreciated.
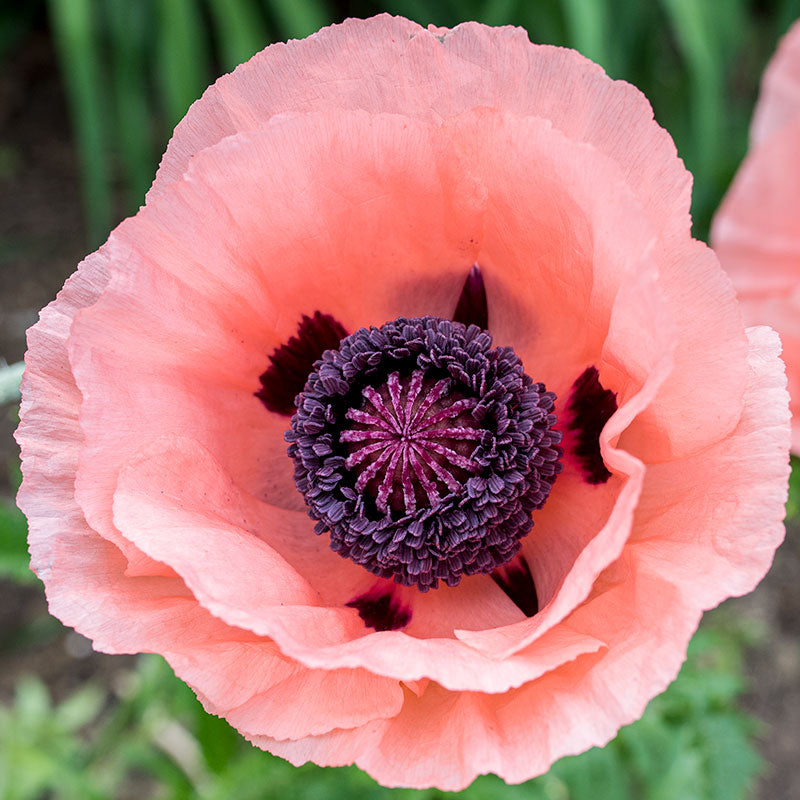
(292, 362)
(472, 308)
(423, 450)
(516, 581)
(381, 610)
(590, 407)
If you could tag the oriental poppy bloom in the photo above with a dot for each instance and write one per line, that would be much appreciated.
(756, 232)
(406, 420)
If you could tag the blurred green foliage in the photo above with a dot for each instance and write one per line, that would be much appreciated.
(150, 737)
(14, 558)
(131, 69)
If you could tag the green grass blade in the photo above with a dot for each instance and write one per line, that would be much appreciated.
(586, 27)
(239, 29)
(14, 558)
(183, 62)
(699, 32)
(78, 51)
(128, 33)
(793, 504)
(299, 19)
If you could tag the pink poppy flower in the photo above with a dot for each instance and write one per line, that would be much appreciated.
(756, 231)
(529, 438)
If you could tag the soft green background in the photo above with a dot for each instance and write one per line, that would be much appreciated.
(130, 69)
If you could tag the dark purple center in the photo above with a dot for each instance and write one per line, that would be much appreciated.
(423, 451)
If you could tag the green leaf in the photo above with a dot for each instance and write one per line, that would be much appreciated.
(80, 708)
(129, 33)
(183, 68)
(648, 744)
(14, 558)
(793, 504)
(586, 25)
(683, 779)
(217, 739)
(594, 774)
(32, 700)
(732, 762)
(73, 25)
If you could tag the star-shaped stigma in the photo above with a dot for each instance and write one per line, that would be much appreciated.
(422, 450)
(411, 442)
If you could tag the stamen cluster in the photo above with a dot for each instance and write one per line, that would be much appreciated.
(423, 450)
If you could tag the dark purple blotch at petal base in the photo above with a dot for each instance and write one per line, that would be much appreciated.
(292, 362)
(472, 307)
(381, 610)
(516, 581)
(590, 407)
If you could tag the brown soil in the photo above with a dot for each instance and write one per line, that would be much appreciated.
(41, 241)
(774, 668)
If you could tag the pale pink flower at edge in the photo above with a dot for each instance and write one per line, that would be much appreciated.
(361, 173)
(756, 232)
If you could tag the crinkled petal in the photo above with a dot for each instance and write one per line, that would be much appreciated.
(445, 739)
(595, 531)
(710, 557)
(174, 502)
(389, 64)
(755, 230)
(158, 506)
(221, 268)
(779, 101)
(49, 435)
